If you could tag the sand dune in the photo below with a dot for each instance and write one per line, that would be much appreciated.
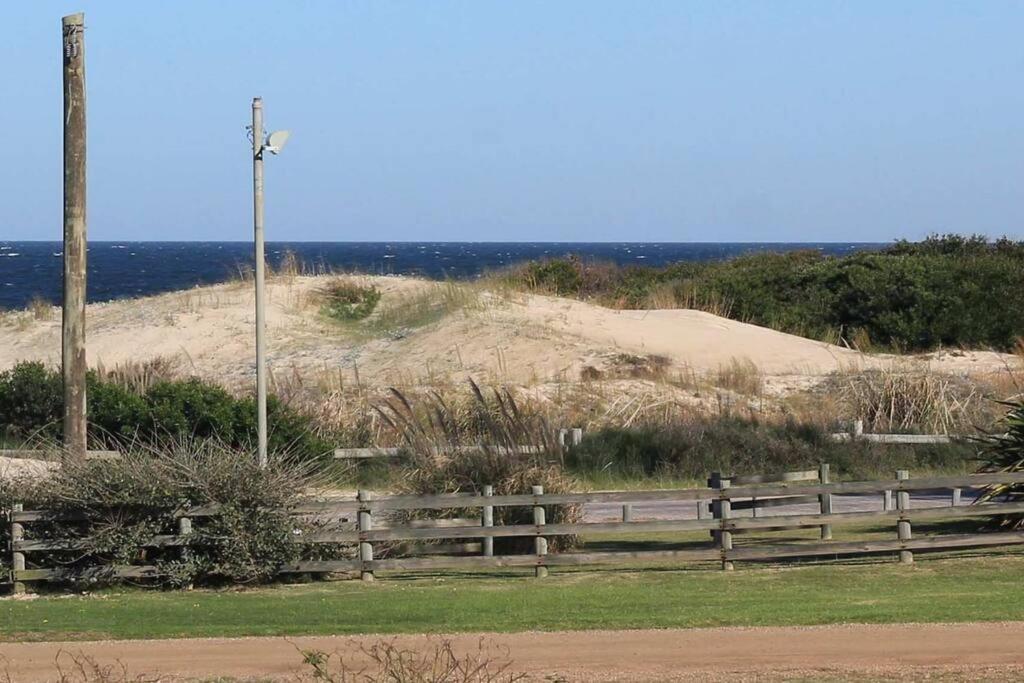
(500, 337)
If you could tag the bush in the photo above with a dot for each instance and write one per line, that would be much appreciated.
(31, 405)
(31, 401)
(119, 506)
(734, 445)
(344, 300)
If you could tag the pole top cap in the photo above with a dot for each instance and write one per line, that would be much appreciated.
(76, 19)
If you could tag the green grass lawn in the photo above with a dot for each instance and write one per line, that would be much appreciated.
(947, 589)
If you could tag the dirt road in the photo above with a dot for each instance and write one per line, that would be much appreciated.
(905, 651)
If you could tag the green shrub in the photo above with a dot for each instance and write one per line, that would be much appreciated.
(345, 300)
(944, 291)
(31, 401)
(692, 450)
(556, 276)
(113, 509)
(31, 405)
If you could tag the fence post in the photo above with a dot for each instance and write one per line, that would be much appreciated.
(627, 512)
(488, 522)
(17, 557)
(825, 500)
(541, 543)
(956, 497)
(903, 525)
(721, 509)
(714, 482)
(184, 530)
(887, 500)
(365, 523)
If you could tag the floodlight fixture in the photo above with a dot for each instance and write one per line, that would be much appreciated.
(276, 141)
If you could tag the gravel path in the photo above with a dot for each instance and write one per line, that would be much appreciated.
(902, 651)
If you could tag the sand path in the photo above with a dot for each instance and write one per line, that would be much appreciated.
(812, 653)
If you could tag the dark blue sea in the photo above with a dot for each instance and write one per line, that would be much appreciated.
(130, 269)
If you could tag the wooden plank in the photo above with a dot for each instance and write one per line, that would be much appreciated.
(563, 559)
(839, 488)
(897, 438)
(83, 543)
(455, 501)
(383, 452)
(407, 534)
(945, 542)
(798, 521)
(804, 475)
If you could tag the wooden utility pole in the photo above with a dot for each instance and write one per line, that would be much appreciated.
(73, 338)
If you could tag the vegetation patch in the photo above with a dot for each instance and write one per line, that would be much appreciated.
(345, 300)
(509, 449)
(690, 450)
(946, 291)
(111, 513)
(151, 413)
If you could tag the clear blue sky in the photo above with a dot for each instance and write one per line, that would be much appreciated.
(682, 121)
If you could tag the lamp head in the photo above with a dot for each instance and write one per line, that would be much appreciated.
(276, 141)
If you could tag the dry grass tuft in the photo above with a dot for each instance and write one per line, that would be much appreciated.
(675, 295)
(41, 309)
(914, 398)
(740, 376)
(139, 376)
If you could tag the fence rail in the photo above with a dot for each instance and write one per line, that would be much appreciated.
(364, 525)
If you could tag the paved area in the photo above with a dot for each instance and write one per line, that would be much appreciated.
(612, 512)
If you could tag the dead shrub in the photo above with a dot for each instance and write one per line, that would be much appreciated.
(389, 663)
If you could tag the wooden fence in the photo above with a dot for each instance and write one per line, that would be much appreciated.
(857, 433)
(363, 524)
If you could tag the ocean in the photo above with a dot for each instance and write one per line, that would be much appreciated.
(129, 269)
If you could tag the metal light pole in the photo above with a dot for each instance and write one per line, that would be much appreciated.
(257, 224)
(273, 144)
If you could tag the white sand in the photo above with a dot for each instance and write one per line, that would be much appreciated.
(513, 338)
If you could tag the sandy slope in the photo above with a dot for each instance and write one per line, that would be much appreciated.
(514, 338)
(901, 652)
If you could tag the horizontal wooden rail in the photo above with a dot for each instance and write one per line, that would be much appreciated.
(391, 452)
(803, 475)
(732, 523)
(897, 438)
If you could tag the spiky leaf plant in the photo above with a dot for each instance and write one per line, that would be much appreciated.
(1005, 453)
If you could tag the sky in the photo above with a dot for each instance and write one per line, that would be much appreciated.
(525, 121)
